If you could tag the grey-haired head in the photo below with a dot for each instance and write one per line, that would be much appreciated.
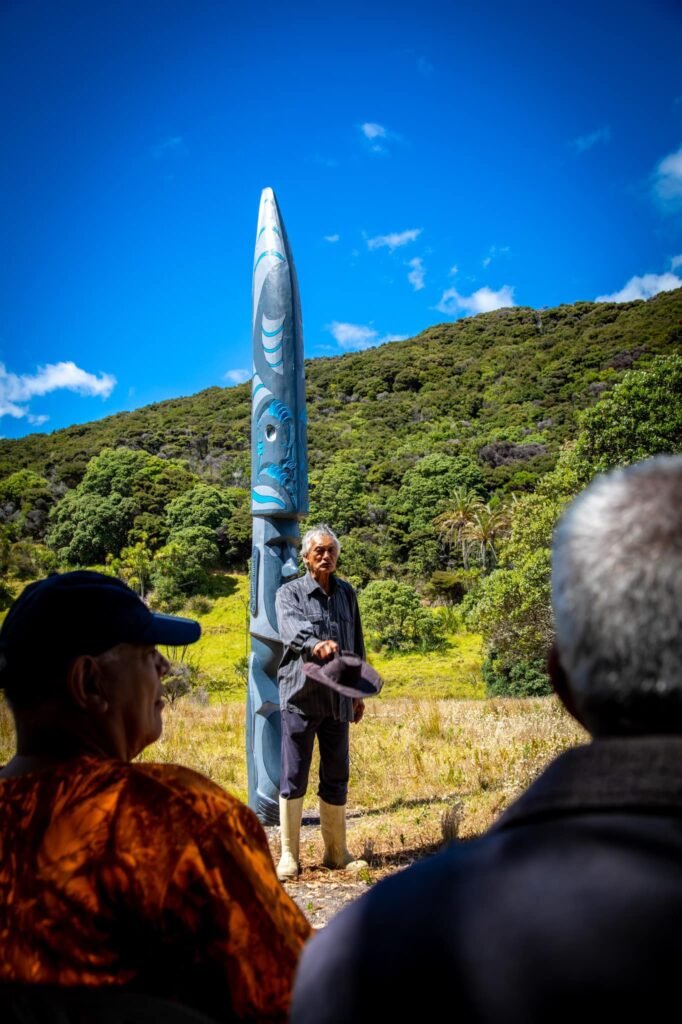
(314, 534)
(617, 599)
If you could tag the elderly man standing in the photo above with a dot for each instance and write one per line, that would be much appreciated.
(570, 906)
(318, 616)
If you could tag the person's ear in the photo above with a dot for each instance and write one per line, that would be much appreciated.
(85, 681)
(560, 683)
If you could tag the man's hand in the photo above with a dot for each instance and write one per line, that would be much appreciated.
(325, 649)
(358, 710)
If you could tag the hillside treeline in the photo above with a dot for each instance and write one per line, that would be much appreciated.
(443, 462)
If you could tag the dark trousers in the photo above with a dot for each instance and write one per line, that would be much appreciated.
(298, 739)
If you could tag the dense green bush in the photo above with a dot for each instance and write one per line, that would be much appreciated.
(641, 416)
(520, 679)
(181, 567)
(121, 499)
(25, 502)
(393, 618)
(224, 510)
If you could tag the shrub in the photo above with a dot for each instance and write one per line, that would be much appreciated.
(520, 679)
(393, 616)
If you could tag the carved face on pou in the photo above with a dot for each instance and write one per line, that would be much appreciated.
(278, 539)
(275, 456)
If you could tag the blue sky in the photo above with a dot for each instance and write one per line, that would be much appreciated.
(431, 161)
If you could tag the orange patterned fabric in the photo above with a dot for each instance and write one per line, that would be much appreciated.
(145, 875)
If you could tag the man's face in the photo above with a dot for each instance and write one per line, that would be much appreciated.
(322, 556)
(132, 683)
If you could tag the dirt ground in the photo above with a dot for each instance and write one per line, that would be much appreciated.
(321, 893)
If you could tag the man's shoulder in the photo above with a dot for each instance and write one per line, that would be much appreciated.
(292, 587)
(378, 929)
(183, 786)
(344, 585)
(292, 583)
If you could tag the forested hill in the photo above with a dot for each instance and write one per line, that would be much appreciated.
(502, 388)
(441, 461)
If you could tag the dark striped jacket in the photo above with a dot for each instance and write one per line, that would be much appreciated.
(306, 615)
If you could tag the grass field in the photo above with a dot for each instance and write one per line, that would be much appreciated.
(418, 768)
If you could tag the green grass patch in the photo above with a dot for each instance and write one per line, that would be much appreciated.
(453, 672)
(224, 638)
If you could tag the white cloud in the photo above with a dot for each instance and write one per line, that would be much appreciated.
(643, 287)
(668, 178)
(417, 273)
(37, 421)
(494, 252)
(331, 238)
(485, 300)
(454, 269)
(377, 136)
(394, 240)
(18, 389)
(585, 142)
(173, 144)
(237, 376)
(373, 131)
(676, 262)
(354, 337)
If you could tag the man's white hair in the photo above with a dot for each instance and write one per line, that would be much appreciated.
(617, 599)
(321, 530)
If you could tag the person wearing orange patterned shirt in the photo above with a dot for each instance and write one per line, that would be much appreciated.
(140, 876)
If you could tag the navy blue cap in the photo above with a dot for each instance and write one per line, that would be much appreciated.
(74, 613)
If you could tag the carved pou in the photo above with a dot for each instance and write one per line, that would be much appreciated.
(279, 489)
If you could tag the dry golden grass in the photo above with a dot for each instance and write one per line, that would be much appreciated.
(425, 771)
(420, 770)
(6, 732)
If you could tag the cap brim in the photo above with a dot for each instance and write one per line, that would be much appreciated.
(173, 631)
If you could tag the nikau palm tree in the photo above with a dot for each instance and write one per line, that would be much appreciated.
(451, 524)
(484, 528)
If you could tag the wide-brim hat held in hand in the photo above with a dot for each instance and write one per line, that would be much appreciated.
(347, 674)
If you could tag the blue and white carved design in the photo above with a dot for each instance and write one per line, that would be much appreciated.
(273, 343)
(279, 488)
(279, 444)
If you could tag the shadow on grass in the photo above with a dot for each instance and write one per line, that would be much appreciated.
(220, 585)
(403, 858)
(398, 805)
(383, 862)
